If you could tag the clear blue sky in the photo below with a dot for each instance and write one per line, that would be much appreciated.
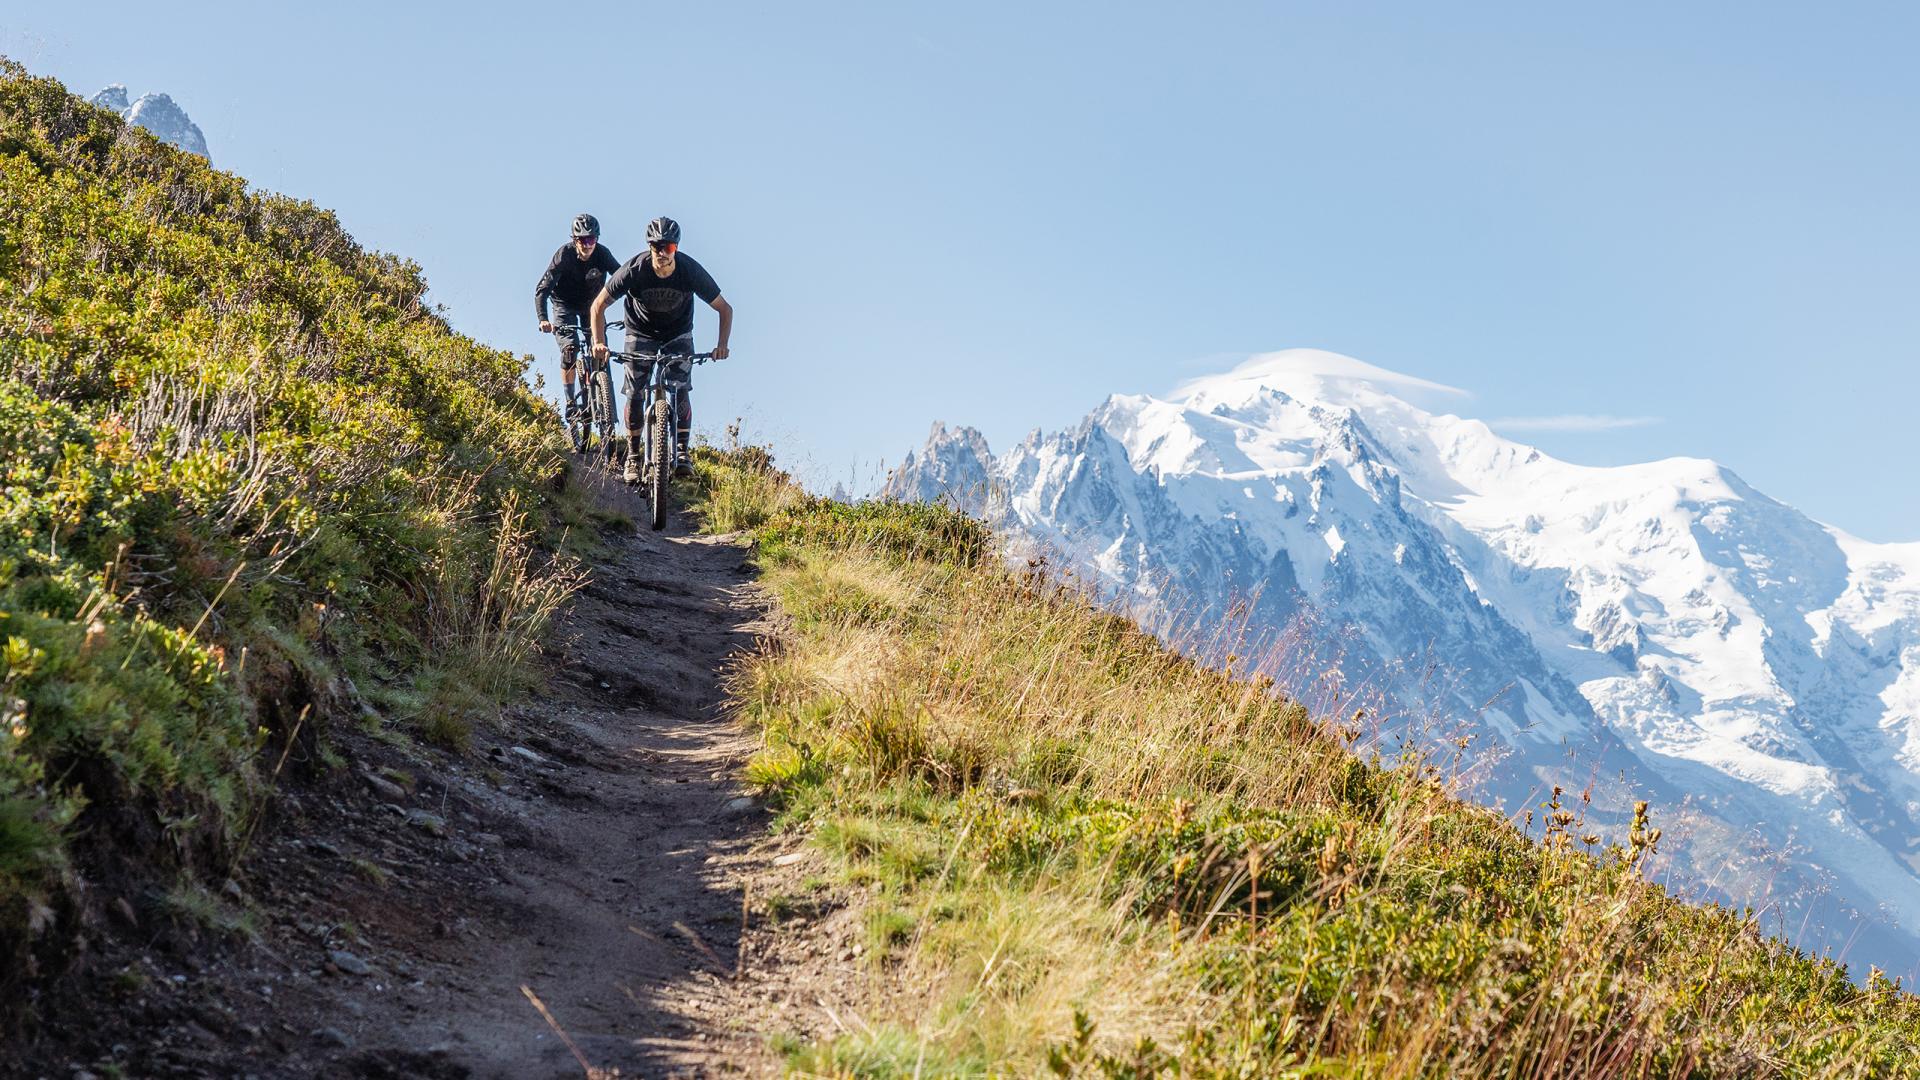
(1701, 217)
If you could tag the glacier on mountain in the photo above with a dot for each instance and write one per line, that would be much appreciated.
(1660, 631)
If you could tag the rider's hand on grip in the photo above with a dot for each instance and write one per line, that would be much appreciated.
(546, 327)
(719, 352)
(599, 350)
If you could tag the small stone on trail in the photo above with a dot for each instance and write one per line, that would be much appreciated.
(349, 963)
(606, 686)
(432, 823)
(384, 788)
(321, 847)
(745, 804)
(522, 751)
(789, 858)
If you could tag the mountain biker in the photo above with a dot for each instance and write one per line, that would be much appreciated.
(576, 272)
(659, 285)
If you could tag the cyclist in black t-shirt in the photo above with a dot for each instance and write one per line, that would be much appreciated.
(577, 272)
(659, 285)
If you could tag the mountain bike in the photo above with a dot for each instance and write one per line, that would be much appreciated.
(668, 373)
(597, 413)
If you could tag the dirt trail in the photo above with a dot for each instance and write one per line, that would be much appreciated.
(625, 911)
(598, 849)
(625, 902)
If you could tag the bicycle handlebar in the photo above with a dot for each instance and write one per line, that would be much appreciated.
(698, 358)
(582, 331)
(584, 336)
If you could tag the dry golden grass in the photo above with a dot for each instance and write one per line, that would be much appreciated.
(1091, 856)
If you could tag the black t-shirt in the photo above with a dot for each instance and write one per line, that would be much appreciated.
(661, 308)
(573, 281)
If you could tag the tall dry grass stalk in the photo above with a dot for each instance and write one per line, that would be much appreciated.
(488, 609)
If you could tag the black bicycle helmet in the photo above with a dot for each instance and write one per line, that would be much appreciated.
(586, 225)
(663, 230)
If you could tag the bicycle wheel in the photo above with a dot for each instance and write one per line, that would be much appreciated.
(579, 421)
(660, 457)
(603, 416)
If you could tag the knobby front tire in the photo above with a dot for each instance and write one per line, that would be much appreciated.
(603, 416)
(580, 420)
(660, 459)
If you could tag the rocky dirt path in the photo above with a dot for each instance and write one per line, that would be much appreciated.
(624, 903)
(593, 866)
(622, 912)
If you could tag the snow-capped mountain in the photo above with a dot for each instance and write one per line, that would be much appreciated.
(1661, 631)
(157, 113)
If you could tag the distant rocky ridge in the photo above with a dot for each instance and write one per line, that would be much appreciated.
(159, 114)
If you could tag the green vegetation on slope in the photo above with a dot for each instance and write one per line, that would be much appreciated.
(1088, 856)
(251, 484)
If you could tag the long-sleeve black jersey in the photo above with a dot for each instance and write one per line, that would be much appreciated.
(572, 281)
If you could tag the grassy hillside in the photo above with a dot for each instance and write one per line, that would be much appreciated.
(1086, 856)
(253, 487)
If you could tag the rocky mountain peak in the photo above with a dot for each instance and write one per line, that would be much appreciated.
(159, 114)
(113, 99)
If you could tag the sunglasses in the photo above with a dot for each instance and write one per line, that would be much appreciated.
(659, 245)
(586, 241)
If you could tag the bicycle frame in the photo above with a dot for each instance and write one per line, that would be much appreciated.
(600, 413)
(667, 375)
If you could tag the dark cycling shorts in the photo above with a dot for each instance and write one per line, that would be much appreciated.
(680, 346)
(566, 316)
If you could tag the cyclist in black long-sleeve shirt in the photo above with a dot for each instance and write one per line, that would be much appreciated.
(574, 277)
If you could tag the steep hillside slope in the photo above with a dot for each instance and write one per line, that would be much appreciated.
(1661, 630)
(1090, 856)
(252, 487)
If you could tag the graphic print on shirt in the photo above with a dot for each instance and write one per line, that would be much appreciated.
(661, 308)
